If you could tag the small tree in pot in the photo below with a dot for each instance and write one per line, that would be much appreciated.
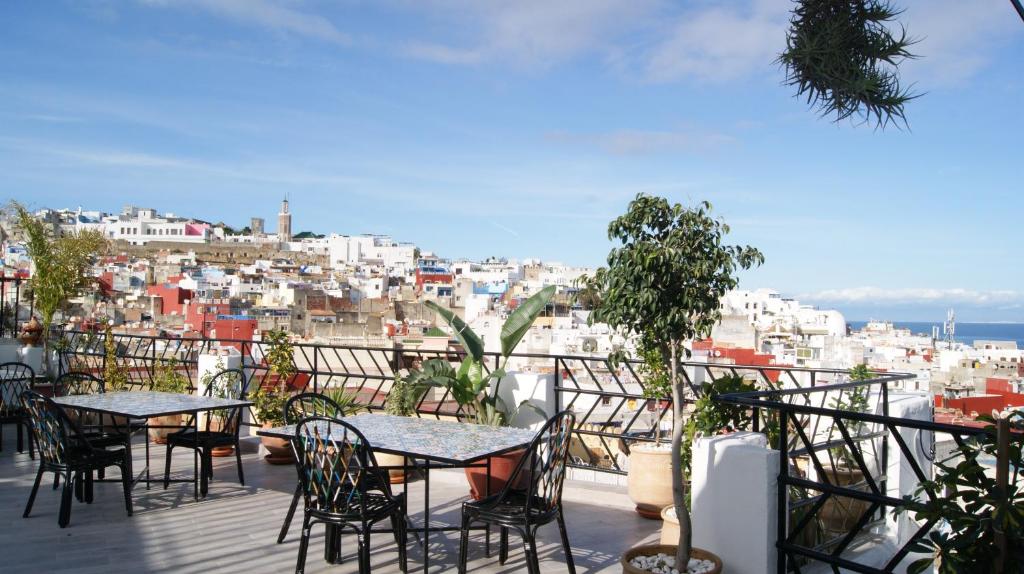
(663, 284)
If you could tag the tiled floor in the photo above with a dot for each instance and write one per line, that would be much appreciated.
(235, 528)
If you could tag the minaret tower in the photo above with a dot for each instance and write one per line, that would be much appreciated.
(284, 223)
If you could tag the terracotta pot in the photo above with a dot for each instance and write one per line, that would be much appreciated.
(395, 476)
(279, 449)
(220, 451)
(840, 513)
(670, 549)
(650, 480)
(502, 467)
(159, 436)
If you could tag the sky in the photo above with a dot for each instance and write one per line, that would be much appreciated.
(476, 128)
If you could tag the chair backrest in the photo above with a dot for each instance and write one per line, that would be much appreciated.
(227, 384)
(14, 379)
(77, 383)
(336, 465)
(307, 405)
(51, 428)
(542, 467)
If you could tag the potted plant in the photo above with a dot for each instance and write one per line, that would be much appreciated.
(402, 399)
(649, 478)
(167, 379)
(221, 387)
(59, 268)
(268, 406)
(476, 390)
(663, 284)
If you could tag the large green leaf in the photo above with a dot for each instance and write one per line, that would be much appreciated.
(519, 322)
(472, 342)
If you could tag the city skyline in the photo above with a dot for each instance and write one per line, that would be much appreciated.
(477, 131)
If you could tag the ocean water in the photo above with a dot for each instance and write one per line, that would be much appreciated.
(965, 332)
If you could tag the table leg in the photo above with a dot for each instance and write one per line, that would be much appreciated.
(146, 435)
(487, 493)
(426, 518)
(195, 458)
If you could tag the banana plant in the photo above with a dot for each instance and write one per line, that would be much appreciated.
(470, 384)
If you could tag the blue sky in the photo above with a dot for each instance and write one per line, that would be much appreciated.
(521, 128)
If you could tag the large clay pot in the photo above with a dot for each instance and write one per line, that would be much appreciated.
(669, 526)
(279, 450)
(670, 549)
(502, 467)
(159, 436)
(395, 475)
(220, 451)
(839, 514)
(650, 479)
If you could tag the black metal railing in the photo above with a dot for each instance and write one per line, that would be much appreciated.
(16, 305)
(834, 489)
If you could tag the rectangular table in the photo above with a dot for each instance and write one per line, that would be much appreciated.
(440, 444)
(149, 404)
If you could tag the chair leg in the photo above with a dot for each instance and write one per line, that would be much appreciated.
(204, 473)
(79, 486)
(303, 546)
(364, 550)
(88, 487)
(403, 544)
(291, 514)
(238, 459)
(565, 542)
(167, 467)
(463, 544)
(529, 540)
(503, 546)
(32, 495)
(126, 483)
(64, 516)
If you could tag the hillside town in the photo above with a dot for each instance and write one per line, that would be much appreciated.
(179, 277)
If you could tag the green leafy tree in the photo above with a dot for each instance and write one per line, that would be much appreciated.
(115, 375)
(663, 283)
(59, 262)
(470, 385)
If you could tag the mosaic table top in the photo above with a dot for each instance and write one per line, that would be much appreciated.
(429, 439)
(147, 404)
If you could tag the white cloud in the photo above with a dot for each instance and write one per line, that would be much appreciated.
(957, 39)
(720, 43)
(915, 296)
(442, 54)
(276, 15)
(634, 142)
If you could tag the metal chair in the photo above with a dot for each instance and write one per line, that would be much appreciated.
(334, 462)
(299, 407)
(542, 471)
(229, 383)
(64, 451)
(15, 378)
(99, 432)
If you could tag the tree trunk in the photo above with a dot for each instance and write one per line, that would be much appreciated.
(678, 482)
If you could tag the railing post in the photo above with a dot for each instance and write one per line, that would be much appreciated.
(783, 499)
(885, 442)
(316, 370)
(558, 385)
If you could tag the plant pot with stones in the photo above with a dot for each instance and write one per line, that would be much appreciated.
(159, 435)
(279, 450)
(660, 559)
(502, 467)
(649, 482)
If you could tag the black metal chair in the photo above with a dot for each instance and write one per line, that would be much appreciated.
(542, 471)
(229, 383)
(63, 451)
(299, 407)
(334, 462)
(15, 378)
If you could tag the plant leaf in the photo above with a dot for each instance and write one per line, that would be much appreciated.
(519, 322)
(472, 342)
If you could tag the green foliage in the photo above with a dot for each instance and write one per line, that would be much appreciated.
(434, 332)
(404, 395)
(843, 57)
(115, 375)
(470, 384)
(268, 405)
(279, 354)
(654, 371)
(60, 262)
(975, 510)
(347, 402)
(711, 417)
(168, 379)
(853, 400)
